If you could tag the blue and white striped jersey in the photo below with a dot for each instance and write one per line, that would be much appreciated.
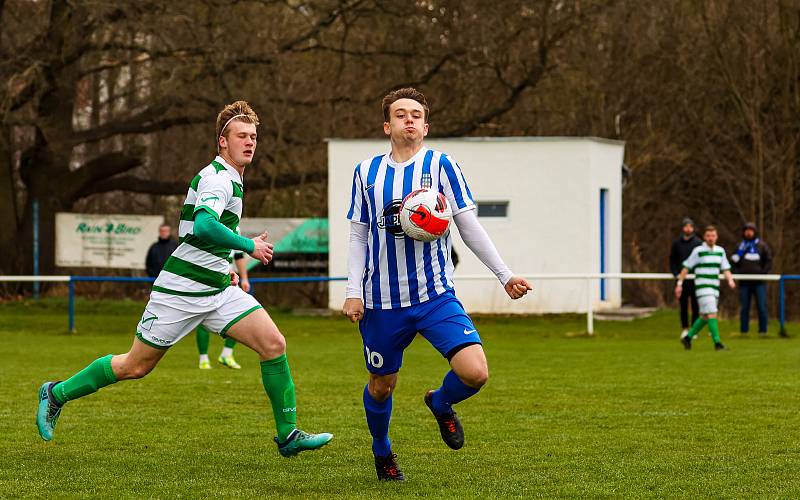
(400, 271)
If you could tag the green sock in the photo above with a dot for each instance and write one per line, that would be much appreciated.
(229, 343)
(202, 340)
(714, 327)
(92, 378)
(280, 389)
(696, 327)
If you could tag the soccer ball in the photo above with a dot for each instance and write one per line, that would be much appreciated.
(425, 215)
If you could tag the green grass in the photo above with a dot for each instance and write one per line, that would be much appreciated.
(626, 413)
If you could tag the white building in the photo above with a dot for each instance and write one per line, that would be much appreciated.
(550, 204)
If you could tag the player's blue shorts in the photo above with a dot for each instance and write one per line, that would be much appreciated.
(387, 332)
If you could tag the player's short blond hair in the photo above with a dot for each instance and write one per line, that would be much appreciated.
(240, 111)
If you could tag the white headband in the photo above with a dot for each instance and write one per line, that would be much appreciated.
(222, 131)
(228, 122)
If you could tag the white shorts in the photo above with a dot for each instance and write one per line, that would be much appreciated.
(168, 318)
(708, 304)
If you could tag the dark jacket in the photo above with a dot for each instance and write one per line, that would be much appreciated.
(158, 254)
(751, 256)
(681, 249)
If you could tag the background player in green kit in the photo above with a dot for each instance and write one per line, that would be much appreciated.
(706, 262)
(194, 288)
(204, 336)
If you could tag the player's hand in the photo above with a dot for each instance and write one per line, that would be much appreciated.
(244, 284)
(262, 250)
(731, 283)
(234, 278)
(354, 309)
(678, 291)
(517, 287)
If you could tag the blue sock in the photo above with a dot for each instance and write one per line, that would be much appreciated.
(452, 391)
(378, 415)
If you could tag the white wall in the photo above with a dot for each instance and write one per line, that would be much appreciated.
(552, 186)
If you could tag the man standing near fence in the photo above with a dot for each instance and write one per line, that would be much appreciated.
(753, 256)
(195, 287)
(681, 249)
(159, 252)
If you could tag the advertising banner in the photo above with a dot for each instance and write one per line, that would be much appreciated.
(114, 241)
(301, 245)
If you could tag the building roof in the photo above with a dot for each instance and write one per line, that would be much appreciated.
(600, 140)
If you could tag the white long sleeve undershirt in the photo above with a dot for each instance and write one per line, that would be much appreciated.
(470, 229)
(356, 257)
(477, 240)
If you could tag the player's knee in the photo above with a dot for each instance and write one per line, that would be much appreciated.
(381, 390)
(476, 377)
(381, 393)
(276, 344)
(271, 345)
(139, 372)
(482, 378)
(134, 371)
(479, 378)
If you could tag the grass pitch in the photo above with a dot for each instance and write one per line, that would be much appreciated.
(626, 413)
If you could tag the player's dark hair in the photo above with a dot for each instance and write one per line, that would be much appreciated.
(404, 93)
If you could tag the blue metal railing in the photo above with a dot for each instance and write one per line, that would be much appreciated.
(782, 298)
(71, 280)
(138, 279)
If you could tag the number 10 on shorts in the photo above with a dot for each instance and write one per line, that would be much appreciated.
(374, 358)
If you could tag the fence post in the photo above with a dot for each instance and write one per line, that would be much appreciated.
(589, 312)
(782, 306)
(71, 286)
(36, 284)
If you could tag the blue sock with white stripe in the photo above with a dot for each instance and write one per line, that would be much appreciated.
(378, 415)
(452, 391)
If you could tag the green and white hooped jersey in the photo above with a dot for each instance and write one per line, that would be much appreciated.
(197, 268)
(706, 263)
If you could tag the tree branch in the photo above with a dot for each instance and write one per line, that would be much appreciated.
(134, 184)
(104, 166)
(317, 27)
(425, 78)
(530, 80)
(150, 120)
(548, 38)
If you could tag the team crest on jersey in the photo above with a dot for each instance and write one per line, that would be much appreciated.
(427, 181)
(390, 219)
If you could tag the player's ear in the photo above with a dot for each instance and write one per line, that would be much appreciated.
(425, 129)
(386, 128)
(222, 142)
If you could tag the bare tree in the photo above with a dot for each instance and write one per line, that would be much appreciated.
(108, 98)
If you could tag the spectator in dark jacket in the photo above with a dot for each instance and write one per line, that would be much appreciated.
(753, 256)
(160, 251)
(681, 249)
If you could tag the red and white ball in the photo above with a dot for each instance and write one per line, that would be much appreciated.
(425, 215)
